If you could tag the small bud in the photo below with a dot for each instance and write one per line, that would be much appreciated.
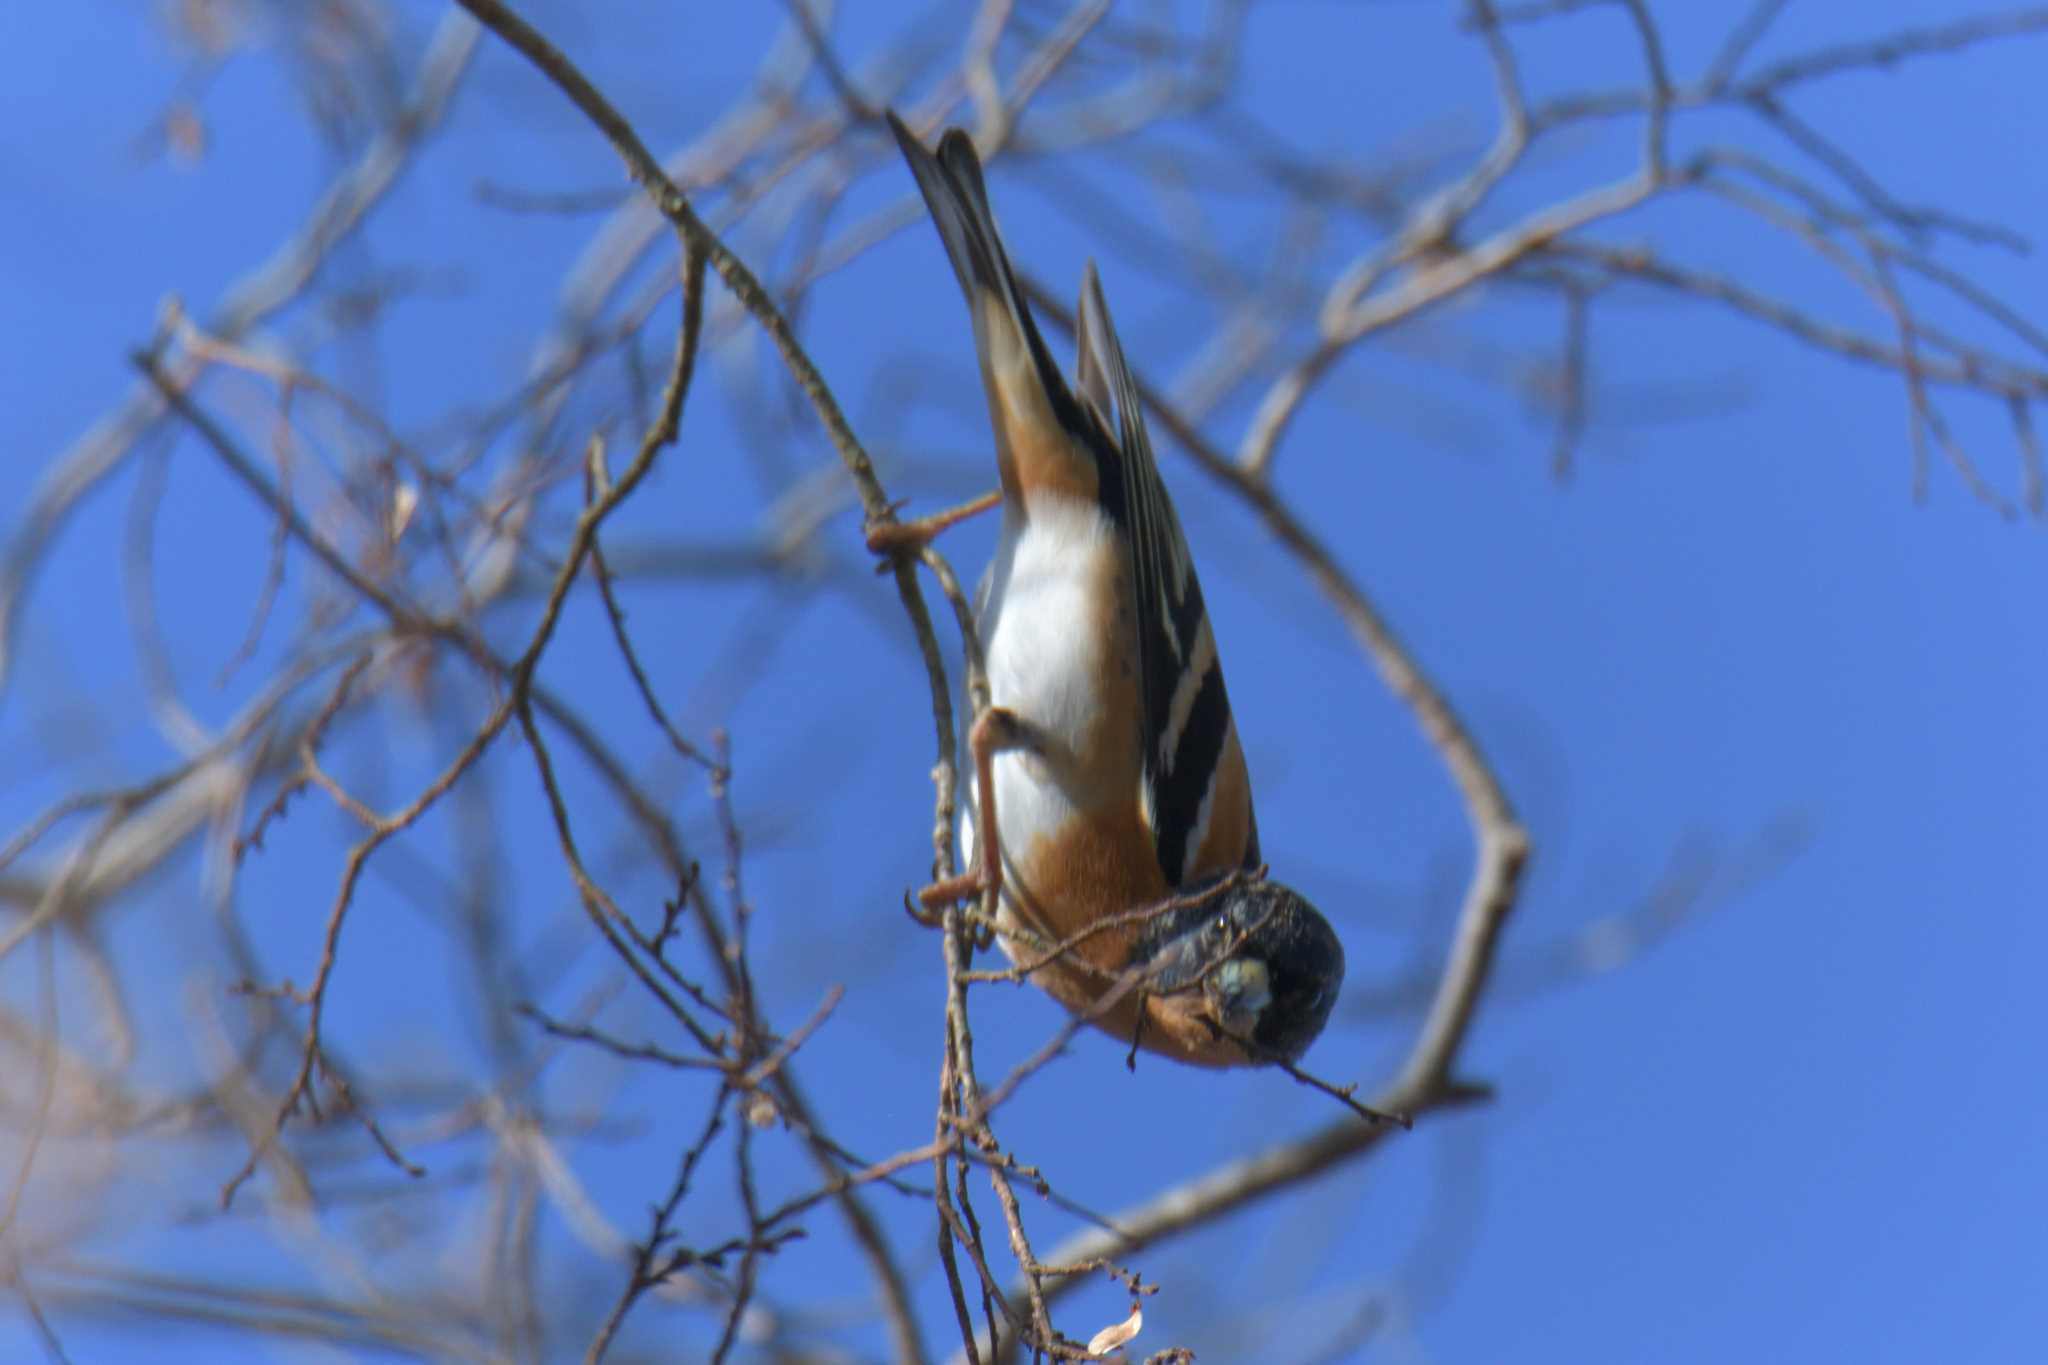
(1111, 1337)
(405, 500)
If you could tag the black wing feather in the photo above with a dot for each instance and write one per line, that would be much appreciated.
(1180, 752)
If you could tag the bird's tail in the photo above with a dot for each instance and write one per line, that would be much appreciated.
(1004, 333)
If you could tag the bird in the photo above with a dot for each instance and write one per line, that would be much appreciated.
(1109, 804)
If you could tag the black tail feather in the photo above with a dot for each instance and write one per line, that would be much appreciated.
(954, 191)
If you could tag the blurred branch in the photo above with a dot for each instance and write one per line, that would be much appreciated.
(259, 295)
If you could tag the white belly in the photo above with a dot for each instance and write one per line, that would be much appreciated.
(1036, 618)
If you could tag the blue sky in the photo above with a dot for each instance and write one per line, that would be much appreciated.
(1808, 1123)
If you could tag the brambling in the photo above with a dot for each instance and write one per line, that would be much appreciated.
(1109, 804)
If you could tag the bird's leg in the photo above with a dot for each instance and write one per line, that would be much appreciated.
(894, 538)
(994, 730)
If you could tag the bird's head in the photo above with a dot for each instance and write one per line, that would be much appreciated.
(1247, 960)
